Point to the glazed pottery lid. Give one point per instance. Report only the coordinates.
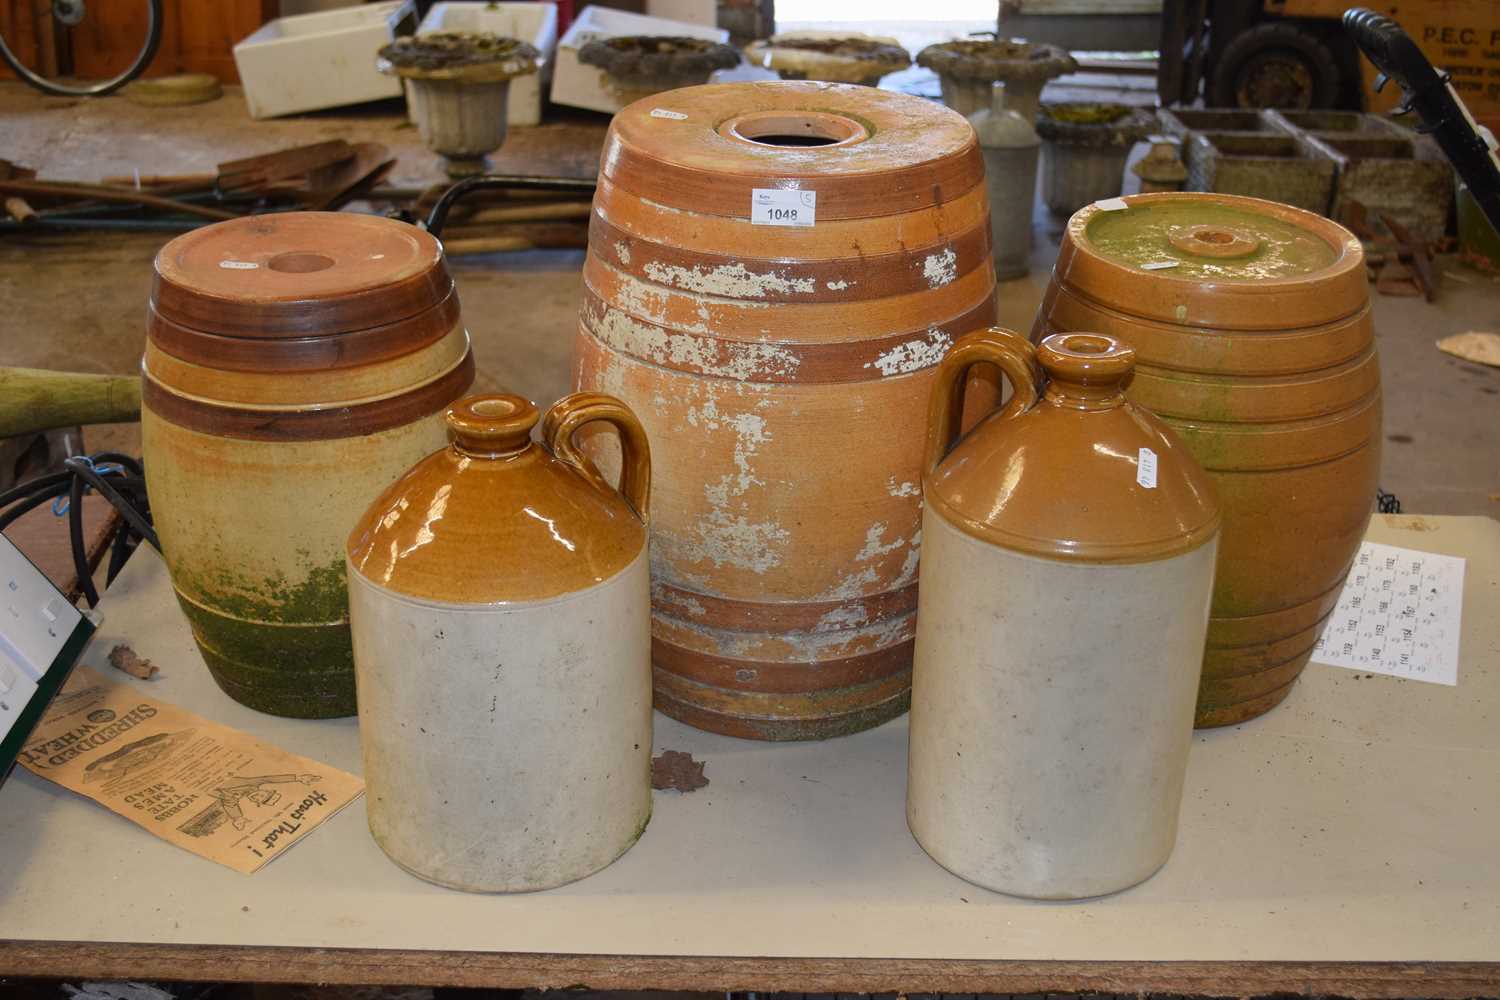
(496, 517)
(864, 152)
(1203, 259)
(298, 274)
(1079, 474)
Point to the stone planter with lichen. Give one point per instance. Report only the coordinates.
(460, 82)
(1084, 148)
(968, 70)
(829, 56)
(637, 66)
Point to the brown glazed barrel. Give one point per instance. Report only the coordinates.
(1251, 326)
(782, 374)
(296, 365)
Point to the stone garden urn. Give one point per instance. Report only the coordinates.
(638, 66)
(1084, 148)
(459, 85)
(830, 56)
(969, 69)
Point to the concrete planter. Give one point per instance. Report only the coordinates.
(638, 66)
(969, 69)
(1317, 160)
(1383, 166)
(1084, 148)
(1270, 166)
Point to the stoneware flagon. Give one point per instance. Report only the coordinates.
(771, 363)
(295, 364)
(500, 602)
(1068, 547)
(1252, 331)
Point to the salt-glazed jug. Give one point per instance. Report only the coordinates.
(1068, 546)
(500, 604)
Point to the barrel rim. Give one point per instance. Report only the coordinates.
(1324, 296)
(244, 294)
(704, 172)
(298, 353)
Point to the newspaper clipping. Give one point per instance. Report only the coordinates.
(211, 789)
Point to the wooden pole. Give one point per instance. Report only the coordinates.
(32, 399)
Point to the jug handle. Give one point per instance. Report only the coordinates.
(1008, 351)
(571, 413)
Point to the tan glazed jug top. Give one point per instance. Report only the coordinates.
(1068, 468)
(497, 517)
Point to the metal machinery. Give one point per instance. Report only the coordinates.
(1295, 54)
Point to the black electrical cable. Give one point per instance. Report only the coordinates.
(85, 470)
(120, 479)
(438, 217)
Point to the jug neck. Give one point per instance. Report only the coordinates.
(1085, 371)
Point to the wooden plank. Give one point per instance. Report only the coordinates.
(502, 970)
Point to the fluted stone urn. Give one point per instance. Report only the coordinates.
(460, 81)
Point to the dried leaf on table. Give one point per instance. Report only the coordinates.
(1475, 345)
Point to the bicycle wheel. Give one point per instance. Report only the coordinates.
(71, 12)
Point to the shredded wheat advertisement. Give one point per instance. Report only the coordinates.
(205, 787)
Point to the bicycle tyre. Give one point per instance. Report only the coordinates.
(98, 89)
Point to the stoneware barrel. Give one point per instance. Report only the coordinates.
(1251, 326)
(781, 371)
(295, 366)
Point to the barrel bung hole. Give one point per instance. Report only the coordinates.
(796, 129)
(299, 262)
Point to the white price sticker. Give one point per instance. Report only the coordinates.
(1159, 265)
(1145, 468)
(1398, 614)
(778, 207)
(238, 265)
(1111, 205)
(675, 116)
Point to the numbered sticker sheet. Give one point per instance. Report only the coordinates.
(1398, 615)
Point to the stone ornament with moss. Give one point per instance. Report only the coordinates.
(640, 65)
(969, 69)
(1084, 148)
(832, 57)
(459, 87)
(460, 56)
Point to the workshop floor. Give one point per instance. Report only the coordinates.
(77, 301)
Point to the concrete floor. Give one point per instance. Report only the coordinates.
(76, 301)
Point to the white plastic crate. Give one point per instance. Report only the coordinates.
(324, 60)
(530, 22)
(581, 86)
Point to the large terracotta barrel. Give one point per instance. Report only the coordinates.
(1251, 326)
(295, 366)
(781, 372)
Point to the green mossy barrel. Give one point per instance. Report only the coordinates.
(295, 366)
(1251, 326)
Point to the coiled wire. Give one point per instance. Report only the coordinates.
(118, 478)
